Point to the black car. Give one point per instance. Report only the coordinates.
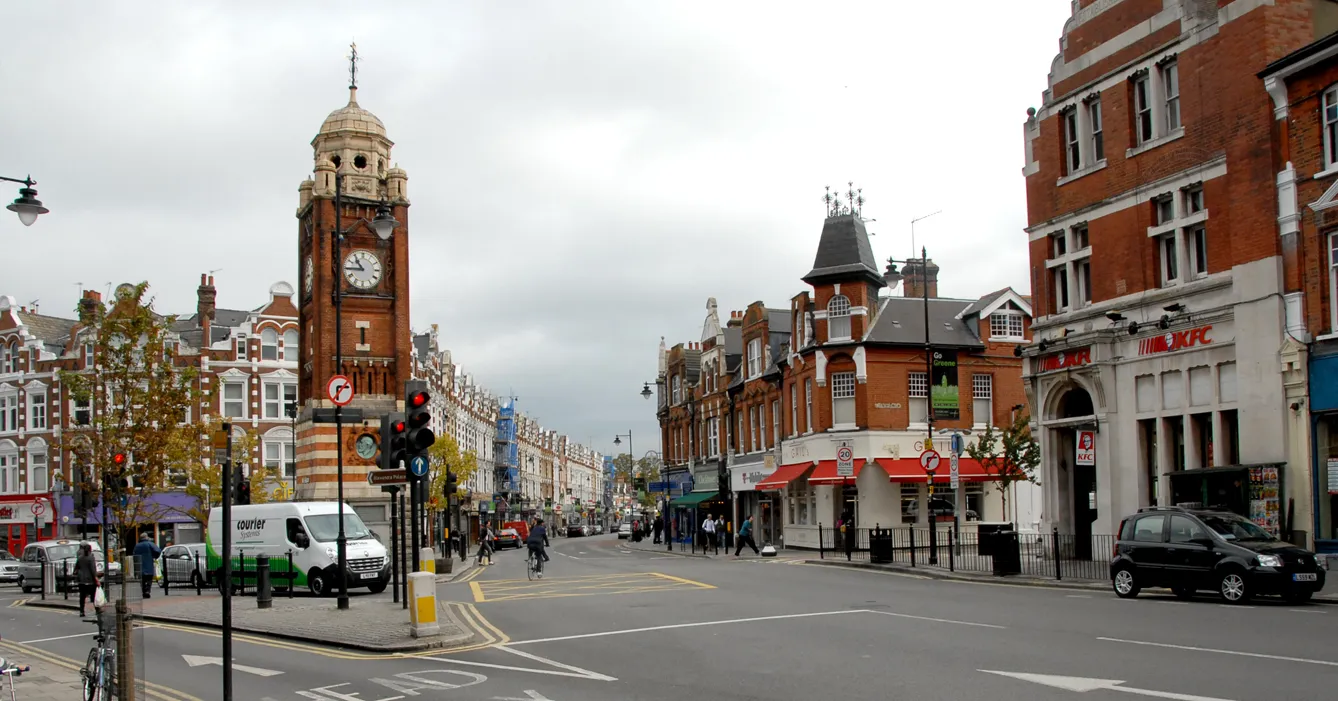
(1188, 550)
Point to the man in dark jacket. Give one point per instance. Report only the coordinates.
(658, 525)
(537, 541)
(86, 574)
(146, 552)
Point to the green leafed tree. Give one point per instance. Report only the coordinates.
(442, 456)
(1009, 455)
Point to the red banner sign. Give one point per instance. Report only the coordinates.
(1175, 340)
(1066, 359)
(6, 512)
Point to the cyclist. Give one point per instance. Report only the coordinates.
(537, 541)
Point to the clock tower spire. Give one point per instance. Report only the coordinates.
(351, 152)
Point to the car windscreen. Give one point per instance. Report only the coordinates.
(1236, 528)
(61, 552)
(325, 527)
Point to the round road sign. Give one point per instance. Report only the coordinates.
(929, 460)
(39, 508)
(845, 454)
(418, 466)
(340, 390)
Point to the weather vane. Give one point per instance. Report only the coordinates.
(353, 65)
(854, 201)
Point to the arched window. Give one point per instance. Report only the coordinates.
(838, 318)
(6, 358)
(290, 343)
(38, 470)
(279, 455)
(269, 344)
(9, 467)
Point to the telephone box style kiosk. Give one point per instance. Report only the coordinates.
(303, 534)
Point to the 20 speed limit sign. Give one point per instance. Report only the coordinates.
(845, 462)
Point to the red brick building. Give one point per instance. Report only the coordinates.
(1164, 298)
(755, 413)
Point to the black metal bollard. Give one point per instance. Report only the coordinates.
(65, 575)
(820, 548)
(912, 530)
(241, 573)
(291, 575)
(42, 575)
(198, 576)
(165, 578)
(952, 565)
(264, 598)
(1054, 535)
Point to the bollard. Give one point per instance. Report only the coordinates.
(65, 574)
(912, 545)
(165, 577)
(198, 576)
(292, 575)
(427, 561)
(241, 573)
(423, 614)
(952, 566)
(820, 555)
(43, 577)
(263, 595)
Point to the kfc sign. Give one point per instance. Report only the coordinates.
(6, 513)
(1064, 360)
(1086, 448)
(1176, 340)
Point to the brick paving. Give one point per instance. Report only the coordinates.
(46, 682)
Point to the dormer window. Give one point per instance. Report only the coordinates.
(1006, 325)
(754, 358)
(241, 348)
(677, 389)
(838, 318)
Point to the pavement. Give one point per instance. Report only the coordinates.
(611, 622)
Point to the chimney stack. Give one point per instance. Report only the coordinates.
(205, 305)
(89, 307)
(914, 280)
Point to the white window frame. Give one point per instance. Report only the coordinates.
(285, 457)
(90, 359)
(224, 401)
(1333, 283)
(242, 353)
(1097, 140)
(1007, 325)
(775, 423)
(38, 410)
(756, 441)
(291, 341)
(1069, 248)
(838, 318)
(808, 404)
(85, 406)
(39, 459)
(1170, 86)
(9, 411)
(917, 392)
(1072, 141)
(677, 383)
(739, 446)
(1328, 115)
(1063, 295)
(1145, 126)
(843, 391)
(280, 403)
(794, 397)
(713, 437)
(982, 390)
(7, 358)
(1196, 241)
(754, 358)
(1083, 270)
(1168, 253)
(269, 344)
(9, 468)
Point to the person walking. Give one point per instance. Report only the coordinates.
(848, 533)
(658, 527)
(146, 553)
(745, 537)
(485, 545)
(86, 573)
(709, 527)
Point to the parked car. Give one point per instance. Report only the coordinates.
(624, 531)
(1187, 550)
(9, 567)
(186, 564)
(60, 554)
(508, 538)
(520, 527)
(940, 509)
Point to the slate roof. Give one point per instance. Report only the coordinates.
(733, 341)
(844, 253)
(980, 304)
(901, 321)
(778, 321)
(422, 344)
(51, 329)
(692, 365)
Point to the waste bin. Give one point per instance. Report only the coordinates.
(986, 533)
(1006, 553)
(880, 545)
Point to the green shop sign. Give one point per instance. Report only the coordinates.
(943, 386)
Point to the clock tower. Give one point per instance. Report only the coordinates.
(371, 274)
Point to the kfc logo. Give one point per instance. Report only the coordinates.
(1176, 340)
(1086, 448)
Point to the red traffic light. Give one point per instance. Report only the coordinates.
(397, 427)
(118, 459)
(418, 399)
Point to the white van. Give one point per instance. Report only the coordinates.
(306, 532)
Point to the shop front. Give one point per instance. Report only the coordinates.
(744, 478)
(704, 500)
(25, 519)
(166, 518)
(1324, 434)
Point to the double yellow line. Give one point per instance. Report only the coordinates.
(469, 577)
(468, 616)
(28, 654)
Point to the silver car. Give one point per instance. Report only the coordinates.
(60, 555)
(186, 564)
(9, 567)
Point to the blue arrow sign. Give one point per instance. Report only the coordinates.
(418, 466)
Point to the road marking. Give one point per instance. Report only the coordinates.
(153, 691)
(1281, 658)
(1174, 603)
(63, 637)
(940, 620)
(198, 661)
(1085, 684)
(594, 585)
(1077, 596)
(684, 625)
(531, 695)
(1306, 610)
(1236, 606)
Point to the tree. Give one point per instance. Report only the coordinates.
(442, 456)
(205, 476)
(1008, 455)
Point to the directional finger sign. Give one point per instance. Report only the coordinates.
(340, 390)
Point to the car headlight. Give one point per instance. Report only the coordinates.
(1270, 561)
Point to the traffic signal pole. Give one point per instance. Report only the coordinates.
(226, 524)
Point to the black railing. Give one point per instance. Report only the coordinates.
(1054, 555)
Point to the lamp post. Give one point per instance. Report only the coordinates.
(292, 417)
(891, 276)
(383, 224)
(27, 206)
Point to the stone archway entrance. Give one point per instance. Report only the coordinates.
(1076, 483)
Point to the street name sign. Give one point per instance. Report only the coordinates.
(380, 478)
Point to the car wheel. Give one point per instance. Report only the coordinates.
(377, 587)
(1232, 587)
(1125, 584)
(1297, 596)
(317, 584)
(1185, 593)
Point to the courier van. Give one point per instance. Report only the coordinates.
(306, 532)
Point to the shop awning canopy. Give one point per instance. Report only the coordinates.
(909, 470)
(692, 499)
(783, 476)
(826, 472)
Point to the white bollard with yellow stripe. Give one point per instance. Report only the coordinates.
(427, 560)
(423, 604)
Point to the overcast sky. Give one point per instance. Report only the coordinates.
(583, 174)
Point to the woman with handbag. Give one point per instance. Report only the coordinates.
(86, 573)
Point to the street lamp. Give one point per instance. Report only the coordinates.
(383, 224)
(892, 277)
(27, 206)
(292, 417)
(645, 390)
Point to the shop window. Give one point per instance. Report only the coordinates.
(1229, 441)
(1202, 427)
(1175, 436)
(910, 502)
(1147, 440)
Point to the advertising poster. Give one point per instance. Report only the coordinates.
(1086, 448)
(943, 385)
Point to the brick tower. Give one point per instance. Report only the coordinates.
(372, 275)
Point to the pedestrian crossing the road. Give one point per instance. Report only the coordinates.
(599, 585)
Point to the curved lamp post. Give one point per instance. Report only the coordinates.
(27, 206)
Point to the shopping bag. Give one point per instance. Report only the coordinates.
(99, 598)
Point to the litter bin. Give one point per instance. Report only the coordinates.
(1006, 553)
(986, 533)
(880, 545)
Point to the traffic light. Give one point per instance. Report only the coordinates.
(241, 487)
(392, 441)
(115, 481)
(416, 399)
(451, 486)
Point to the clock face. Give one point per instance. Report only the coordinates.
(362, 270)
(309, 275)
(366, 447)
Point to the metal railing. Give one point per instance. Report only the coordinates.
(1053, 556)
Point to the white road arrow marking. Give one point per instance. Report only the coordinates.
(197, 661)
(1085, 684)
(531, 695)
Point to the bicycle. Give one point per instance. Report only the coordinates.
(9, 670)
(99, 673)
(534, 566)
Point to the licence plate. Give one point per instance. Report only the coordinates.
(369, 575)
(1307, 577)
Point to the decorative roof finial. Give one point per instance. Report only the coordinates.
(353, 66)
(854, 201)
